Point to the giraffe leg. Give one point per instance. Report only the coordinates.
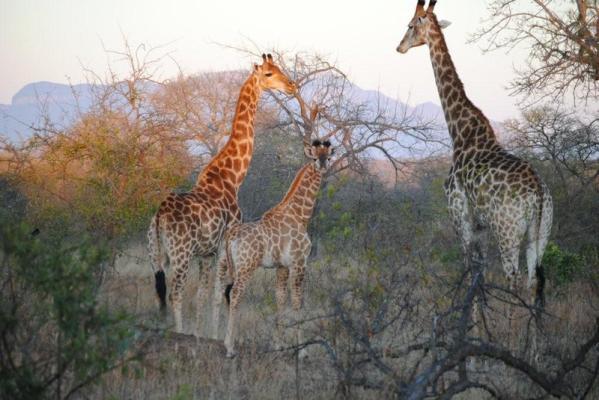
(543, 238)
(180, 273)
(509, 260)
(297, 292)
(242, 277)
(471, 237)
(220, 283)
(157, 261)
(281, 295)
(535, 292)
(202, 293)
(236, 293)
(478, 255)
(537, 238)
(535, 248)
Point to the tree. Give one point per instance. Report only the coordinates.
(563, 37)
(330, 108)
(568, 142)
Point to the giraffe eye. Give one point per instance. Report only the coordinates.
(316, 143)
(326, 143)
(268, 74)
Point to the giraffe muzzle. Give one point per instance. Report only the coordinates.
(291, 88)
(402, 48)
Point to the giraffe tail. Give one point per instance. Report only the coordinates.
(156, 258)
(539, 270)
(230, 270)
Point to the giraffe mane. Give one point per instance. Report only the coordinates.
(296, 183)
(459, 84)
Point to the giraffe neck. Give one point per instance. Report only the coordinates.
(228, 169)
(458, 109)
(301, 196)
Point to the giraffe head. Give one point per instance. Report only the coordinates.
(321, 152)
(420, 26)
(270, 76)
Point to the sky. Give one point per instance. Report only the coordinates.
(54, 40)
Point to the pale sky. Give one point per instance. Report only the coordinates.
(50, 40)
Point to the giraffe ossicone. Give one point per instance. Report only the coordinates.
(189, 224)
(279, 239)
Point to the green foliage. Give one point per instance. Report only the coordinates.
(562, 265)
(448, 255)
(57, 338)
(184, 392)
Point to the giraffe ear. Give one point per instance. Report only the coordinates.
(308, 152)
(444, 23)
(256, 67)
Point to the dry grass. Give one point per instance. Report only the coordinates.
(181, 366)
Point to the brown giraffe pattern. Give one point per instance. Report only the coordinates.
(279, 240)
(192, 223)
(487, 186)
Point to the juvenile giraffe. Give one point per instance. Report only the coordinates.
(279, 239)
(192, 223)
(487, 186)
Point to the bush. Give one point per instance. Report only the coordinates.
(562, 266)
(56, 338)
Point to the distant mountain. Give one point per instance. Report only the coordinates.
(58, 101)
(62, 103)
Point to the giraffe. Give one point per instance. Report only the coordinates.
(279, 239)
(487, 187)
(192, 223)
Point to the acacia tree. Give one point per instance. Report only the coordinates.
(568, 142)
(328, 105)
(563, 37)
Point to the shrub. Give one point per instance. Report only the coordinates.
(562, 265)
(56, 338)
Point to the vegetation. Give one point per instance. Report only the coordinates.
(564, 45)
(389, 297)
(56, 337)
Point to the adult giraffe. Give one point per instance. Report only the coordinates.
(487, 186)
(192, 223)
